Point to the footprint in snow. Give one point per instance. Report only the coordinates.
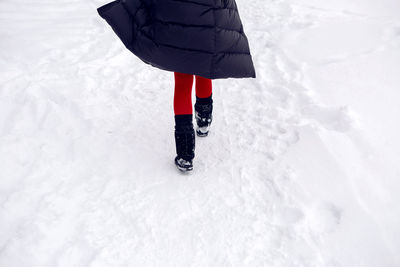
(324, 217)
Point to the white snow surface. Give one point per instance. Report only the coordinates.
(301, 166)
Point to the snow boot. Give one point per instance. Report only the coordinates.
(184, 141)
(203, 113)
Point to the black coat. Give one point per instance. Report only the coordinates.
(201, 37)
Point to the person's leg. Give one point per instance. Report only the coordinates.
(183, 93)
(203, 87)
(184, 132)
(204, 105)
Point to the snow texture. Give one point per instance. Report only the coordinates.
(300, 167)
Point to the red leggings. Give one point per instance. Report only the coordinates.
(183, 91)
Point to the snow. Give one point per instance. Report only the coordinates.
(300, 167)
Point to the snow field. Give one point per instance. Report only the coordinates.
(299, 168)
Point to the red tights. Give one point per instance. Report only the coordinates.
(183, 91)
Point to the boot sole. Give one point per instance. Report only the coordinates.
(200, 134)
(184, 169)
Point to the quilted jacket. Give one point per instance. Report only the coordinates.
(201, 37)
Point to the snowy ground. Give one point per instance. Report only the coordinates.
(300, 167)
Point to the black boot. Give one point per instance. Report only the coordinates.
(203, 112)
(185, 142)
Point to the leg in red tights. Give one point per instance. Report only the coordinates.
(183, 93)
(203, 87)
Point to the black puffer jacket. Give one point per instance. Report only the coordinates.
(201, 37)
